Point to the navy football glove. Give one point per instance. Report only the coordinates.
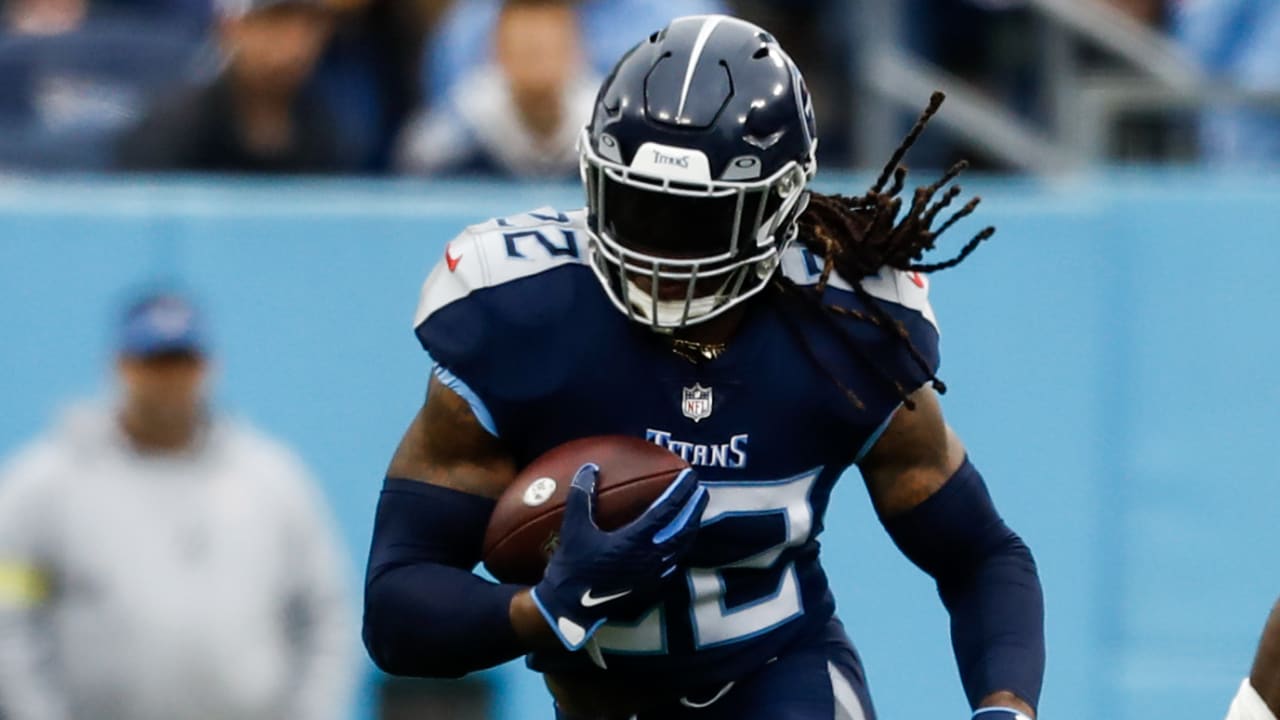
(594, 576)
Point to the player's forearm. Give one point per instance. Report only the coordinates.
(988, 581)
(1265, 676)
(431, 620)
(426, 614)
(997, 626)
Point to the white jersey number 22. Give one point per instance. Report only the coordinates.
(713, 623)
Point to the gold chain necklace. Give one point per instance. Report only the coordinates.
(696, 352)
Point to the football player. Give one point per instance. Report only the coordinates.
(706, 300)
(1259, 694)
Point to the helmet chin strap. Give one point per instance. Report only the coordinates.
(670, 313)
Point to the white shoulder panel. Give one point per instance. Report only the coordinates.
(501, 250)
(908, 289)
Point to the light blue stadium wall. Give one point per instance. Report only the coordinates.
(1111, 356)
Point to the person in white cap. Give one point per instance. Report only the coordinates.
(160, 562)
(1259, 694)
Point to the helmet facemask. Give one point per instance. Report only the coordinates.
(676, 252)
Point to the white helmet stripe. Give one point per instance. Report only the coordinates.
(709, 24)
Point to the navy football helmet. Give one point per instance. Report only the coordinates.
(695, 164)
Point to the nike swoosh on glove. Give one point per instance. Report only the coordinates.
(595, 576)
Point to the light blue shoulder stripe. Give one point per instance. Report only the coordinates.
(454, 383)
(875, 436)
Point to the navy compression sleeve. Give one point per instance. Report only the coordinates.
(425, 613)
(988, 583)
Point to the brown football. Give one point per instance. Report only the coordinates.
(525, 527)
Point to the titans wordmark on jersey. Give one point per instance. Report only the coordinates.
(518, 325)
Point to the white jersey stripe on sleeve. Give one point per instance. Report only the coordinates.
(847, 704)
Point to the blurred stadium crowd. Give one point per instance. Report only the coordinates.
(465, 87)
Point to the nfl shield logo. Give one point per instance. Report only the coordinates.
(696, 403)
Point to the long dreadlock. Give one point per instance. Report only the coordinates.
(857, 236)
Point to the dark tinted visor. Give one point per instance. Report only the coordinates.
(676, 226)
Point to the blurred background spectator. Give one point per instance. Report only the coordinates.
(816, 33)
(462, 38)
(71, 78)
(1237, 42)
(518, 115)
(257, 114)
(448, 86)
(159, 561)
(368, 75)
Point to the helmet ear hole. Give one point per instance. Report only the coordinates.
(762, 53)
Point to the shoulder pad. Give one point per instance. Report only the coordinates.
(907, 289)
(903, 296)
(502, 250)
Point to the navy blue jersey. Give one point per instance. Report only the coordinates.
(518, 323)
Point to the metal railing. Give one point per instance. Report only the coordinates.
(1083, 109)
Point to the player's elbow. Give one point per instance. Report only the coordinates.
(1013, 549)
(1002, 568)
(393, 663)
(398, 650)
(381, 640)
(1003, 549)
(956, 533)
(434, 621)
(999, 550)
